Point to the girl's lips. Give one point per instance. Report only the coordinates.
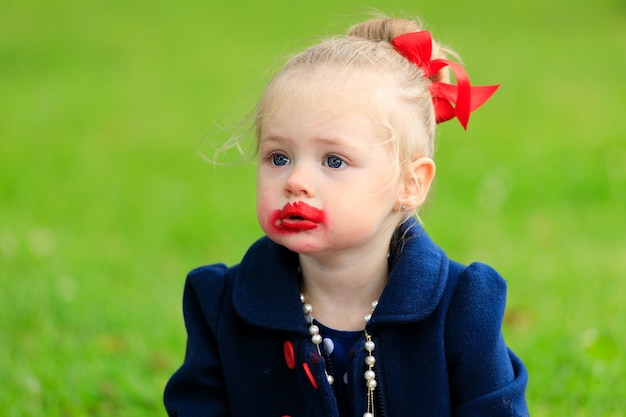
(298, 216)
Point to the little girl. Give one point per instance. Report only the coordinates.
(347, 307)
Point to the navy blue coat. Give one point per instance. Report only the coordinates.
(437, 329)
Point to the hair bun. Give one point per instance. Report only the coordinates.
(383, 29)
(387, 29)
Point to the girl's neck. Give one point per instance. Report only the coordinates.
(342, 291)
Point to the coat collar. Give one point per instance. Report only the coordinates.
(266, 291)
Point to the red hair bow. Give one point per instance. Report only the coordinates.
(417, 48)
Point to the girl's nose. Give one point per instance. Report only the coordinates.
(299, 182)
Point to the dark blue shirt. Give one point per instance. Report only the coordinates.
(337, 345)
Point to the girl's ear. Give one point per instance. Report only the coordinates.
(416, 184)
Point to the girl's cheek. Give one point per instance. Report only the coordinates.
(263, 213)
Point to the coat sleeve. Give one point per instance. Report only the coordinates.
(486, 378)
(197, 387)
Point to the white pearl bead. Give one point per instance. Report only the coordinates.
(302, 298)
(370, 360)
(369, 375)
(374, 305)
(371, 384)
(368, 415)
(367, 318)
(307, 308)
(313, 329)
(316, 339)
(369, 346)
(330, 379)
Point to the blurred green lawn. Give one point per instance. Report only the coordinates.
(105, 203)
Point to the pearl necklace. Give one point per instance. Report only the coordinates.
(369, 346)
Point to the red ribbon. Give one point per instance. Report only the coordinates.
(449, 100)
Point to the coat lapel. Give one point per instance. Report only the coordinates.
(418, 277)
(266, 290)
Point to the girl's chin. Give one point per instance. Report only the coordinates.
(298, 243)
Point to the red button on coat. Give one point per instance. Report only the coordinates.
(290, 356)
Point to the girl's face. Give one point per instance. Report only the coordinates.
(327, 183)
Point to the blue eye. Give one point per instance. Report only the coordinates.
(279, 160)
(334, 162)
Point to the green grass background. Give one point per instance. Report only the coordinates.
(105, 203)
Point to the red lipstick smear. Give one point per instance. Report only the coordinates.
(297, 216)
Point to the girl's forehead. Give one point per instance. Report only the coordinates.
(343, 87)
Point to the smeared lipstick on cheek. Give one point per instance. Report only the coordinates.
(295, 217)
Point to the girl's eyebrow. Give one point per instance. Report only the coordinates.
(320, 140)
(332, 141)
(275, 138)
